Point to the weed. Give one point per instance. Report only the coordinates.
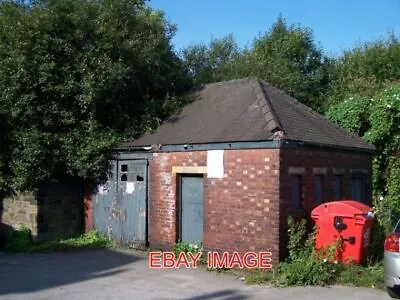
(259, 276)
(306, 266)
(194, 249)
(20, 241)
(186, 248)
(370, 275)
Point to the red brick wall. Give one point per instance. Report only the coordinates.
(310, 158)
(241, 210)
(88, 209)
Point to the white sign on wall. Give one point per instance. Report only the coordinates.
(130, 187)
(215, 163)
(102, 189)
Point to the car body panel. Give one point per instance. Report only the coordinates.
(392, 269)
(392, 264)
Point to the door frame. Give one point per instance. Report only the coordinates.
(178, 222)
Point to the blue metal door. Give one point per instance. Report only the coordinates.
(120, 208)
(192, 209)
(132, 190)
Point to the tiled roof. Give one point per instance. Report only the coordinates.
(247, 110)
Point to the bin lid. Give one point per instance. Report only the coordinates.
(345, 208)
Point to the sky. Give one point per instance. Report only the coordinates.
(337, 24)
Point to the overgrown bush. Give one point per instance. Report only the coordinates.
(186, 248)
(193, 248)
(19, 240)
(382, 225)
(307, 266)
(376, 119)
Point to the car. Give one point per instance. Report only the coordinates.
(392, 262)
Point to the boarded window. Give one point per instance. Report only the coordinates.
(296, 192)
(319, 179)
(358, 192)
(337, 187)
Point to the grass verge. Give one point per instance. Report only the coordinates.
(352, 275)
(20, 241)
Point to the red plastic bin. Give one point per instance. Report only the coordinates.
(347, 220)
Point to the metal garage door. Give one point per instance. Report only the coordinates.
(120, 206)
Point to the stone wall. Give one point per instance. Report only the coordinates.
(51, 213)
(21, 210)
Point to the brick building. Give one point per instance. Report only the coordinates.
(228, 170)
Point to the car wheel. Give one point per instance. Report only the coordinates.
(393, 292)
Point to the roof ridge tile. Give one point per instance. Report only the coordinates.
(321, 116)
(265, 106)
(306, 108)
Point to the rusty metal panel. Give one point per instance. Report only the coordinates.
(121, 211)
(133, 191)
(102, 201)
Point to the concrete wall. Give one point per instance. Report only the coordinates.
(51, 213)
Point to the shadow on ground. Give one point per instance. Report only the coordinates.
(221, 295)
(25, 273)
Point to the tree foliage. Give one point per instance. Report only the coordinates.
(77, 76)
(217, 61)
(285, 56)
(365, 69)
(377, 120)
(365, 98)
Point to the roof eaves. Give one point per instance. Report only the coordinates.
(332, 146)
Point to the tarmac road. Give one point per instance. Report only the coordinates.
(115, 274)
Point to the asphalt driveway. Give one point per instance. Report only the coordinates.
(112, 274)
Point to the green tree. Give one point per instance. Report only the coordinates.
(365, 69)
(213, 62)
(4, 150)
(287, 57)
(76, 77)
